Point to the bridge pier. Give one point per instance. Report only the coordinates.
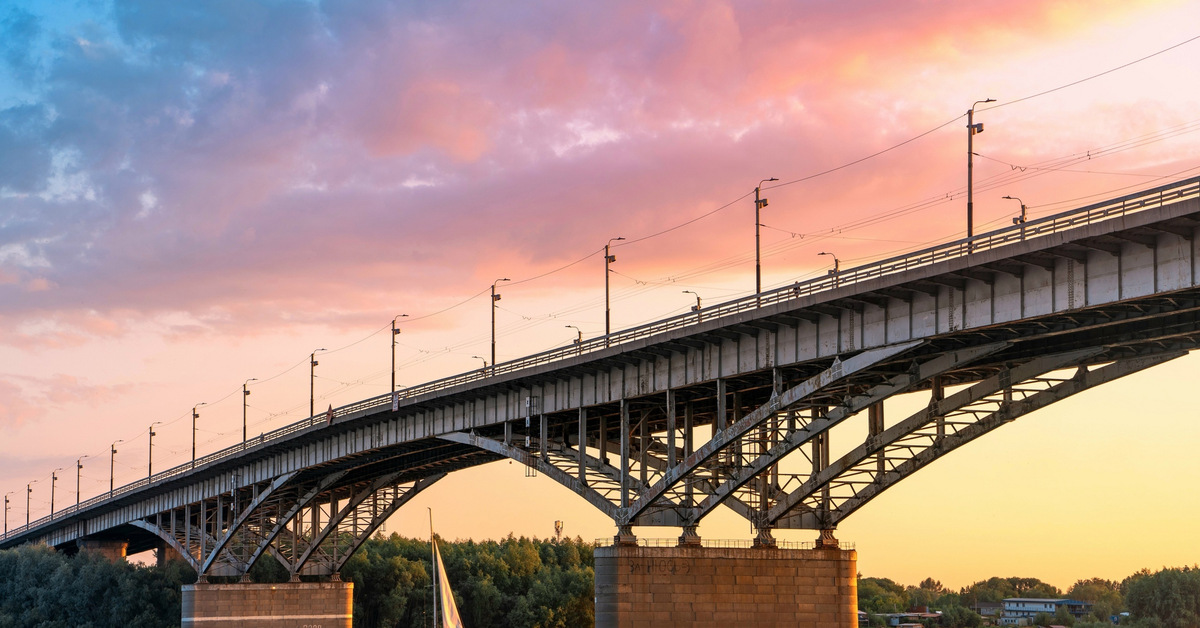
(707, 586)
(164, 554)
(114, 550)
(250, 605)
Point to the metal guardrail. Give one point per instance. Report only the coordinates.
(1063, 221)
(609, 541)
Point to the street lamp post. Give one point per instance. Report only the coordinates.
(53, 479)
(578, 337)
(608, 259)
(759, 203)
(28, 493)
(6, 513)
(312, 382)
(150, 453)
(112, 459)
(395, 332)
(78, 472)
(1019, 220)
(972, 130)
(245, 393)
(495, 297)
(696, 307)
(836, 267)
(485, 362)
(195, 415)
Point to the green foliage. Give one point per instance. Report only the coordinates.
(44, 588)
(512, 582)
(1105, 596)
(1169, 598)
(957, 616)
(881, 595)
(1063, 617)
(997, 589)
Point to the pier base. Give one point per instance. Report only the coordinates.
(648, 587)
(248, 605)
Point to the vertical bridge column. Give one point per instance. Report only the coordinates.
(722, 587)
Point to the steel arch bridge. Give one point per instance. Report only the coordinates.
(734, 405)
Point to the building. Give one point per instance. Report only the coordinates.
(1018, 611)
(988, 609)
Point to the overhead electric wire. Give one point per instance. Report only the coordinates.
(1094, 76)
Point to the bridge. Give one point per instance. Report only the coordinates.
(730, 406)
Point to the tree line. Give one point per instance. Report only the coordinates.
(1168, 598)
(516, 581)
(519, 582)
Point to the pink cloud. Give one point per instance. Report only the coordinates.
(30, 399)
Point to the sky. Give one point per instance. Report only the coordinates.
(196, 194)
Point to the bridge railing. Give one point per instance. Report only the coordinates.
(609, 541)
(1055, 223)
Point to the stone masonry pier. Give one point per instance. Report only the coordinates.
(654, 587)
(285, 605)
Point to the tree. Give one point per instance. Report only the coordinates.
(881, 595)
(1104, 596)
(997, 589)
(956, 616)
(1171, 597)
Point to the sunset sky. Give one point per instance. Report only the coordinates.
(194, 194)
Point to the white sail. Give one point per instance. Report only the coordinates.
(450, 618)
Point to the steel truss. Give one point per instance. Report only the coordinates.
(311, 525)
(896, 453)
(660, 479)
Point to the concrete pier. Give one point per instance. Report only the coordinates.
(654, 587)
(248, 605)
(113, 550)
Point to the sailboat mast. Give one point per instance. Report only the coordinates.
(433, 567)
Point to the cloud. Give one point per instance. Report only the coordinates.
(230, 163)
(26, 399)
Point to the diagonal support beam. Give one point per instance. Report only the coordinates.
(1008, 413)
(724, 437)
(895, 385)
(520, 455)
(391, 509)
(281, 522)
(236, 526)
(169, 539)
(337, 518)
(924, 416)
